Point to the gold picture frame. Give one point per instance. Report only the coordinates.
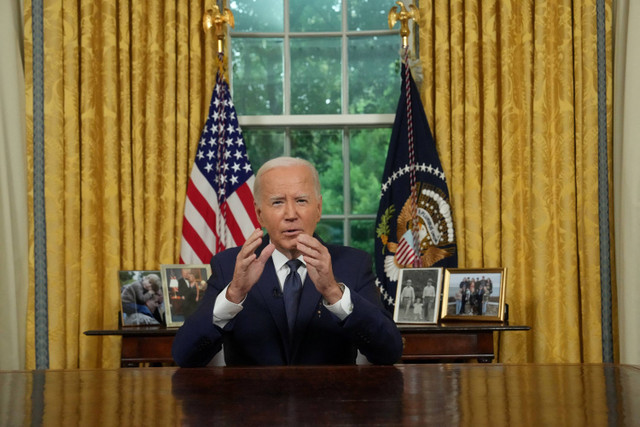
(474, 294)
(183, 286)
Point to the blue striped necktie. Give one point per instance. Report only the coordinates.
(292, 290)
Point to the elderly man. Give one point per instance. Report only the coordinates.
(287, 298)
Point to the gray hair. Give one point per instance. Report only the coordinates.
(284, 161)
(154, 281)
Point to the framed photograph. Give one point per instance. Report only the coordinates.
(183, 286)
(141, 298)
(418, 295)
(474, 294)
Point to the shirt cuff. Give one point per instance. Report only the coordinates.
(343, 307)
(224, 310)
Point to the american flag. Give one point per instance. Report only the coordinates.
(219, 210)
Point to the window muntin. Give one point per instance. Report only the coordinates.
(321, 82)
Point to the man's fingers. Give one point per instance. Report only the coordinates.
(252, 243)
(266, 253)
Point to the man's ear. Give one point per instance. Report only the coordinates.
(319, 207)
(258, 213)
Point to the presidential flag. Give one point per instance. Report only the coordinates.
(414, 226)
(219, 210)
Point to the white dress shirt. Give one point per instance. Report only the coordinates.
(225, 310)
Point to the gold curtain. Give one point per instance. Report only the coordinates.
(126, 91)
(511, 94)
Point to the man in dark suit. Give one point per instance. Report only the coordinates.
(339, 312)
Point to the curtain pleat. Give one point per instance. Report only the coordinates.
(511, 92)
(126, 92)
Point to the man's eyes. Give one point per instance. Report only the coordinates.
(281, 202)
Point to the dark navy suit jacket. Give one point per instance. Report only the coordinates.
(259, 335)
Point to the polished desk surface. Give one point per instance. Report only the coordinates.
(443, 395)
(459, 326)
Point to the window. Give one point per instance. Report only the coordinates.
(319, 79)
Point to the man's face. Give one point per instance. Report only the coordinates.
(288, 206)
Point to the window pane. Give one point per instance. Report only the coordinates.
(323, 148)
(331, 231)
(374, 74)
(362, 235)
(317, 15)
(258, 15)
(263, 145)
(257, 76)
(369, 14)
(315, 76)
(368, 151)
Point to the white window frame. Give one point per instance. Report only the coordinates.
(344, 121)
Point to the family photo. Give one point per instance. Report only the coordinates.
(474, 293)
(418, 295)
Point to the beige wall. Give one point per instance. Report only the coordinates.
(13, 190)
(626, 137)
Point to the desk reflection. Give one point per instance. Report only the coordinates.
(460, 395)
(290, 396)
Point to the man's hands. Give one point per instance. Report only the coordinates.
(248, 267)
(318, 261)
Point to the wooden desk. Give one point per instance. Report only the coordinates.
(491, 395)
(452, 342)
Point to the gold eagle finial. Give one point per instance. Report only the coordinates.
(400, 13)
(213, 18)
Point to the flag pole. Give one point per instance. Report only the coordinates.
(400, 13)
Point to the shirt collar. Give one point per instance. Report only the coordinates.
(280, 259)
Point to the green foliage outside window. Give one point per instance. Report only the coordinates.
(311, 70)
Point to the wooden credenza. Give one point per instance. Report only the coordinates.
(444, 342)
(453, 341)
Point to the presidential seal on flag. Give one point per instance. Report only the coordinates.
(436, 237)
